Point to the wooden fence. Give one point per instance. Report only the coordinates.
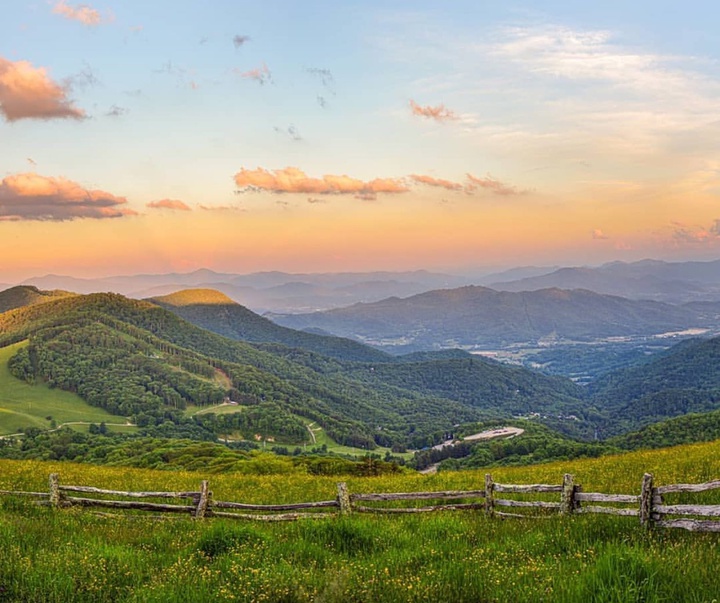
(649, 505)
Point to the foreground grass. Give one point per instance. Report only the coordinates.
(23, 405)
(75, 555)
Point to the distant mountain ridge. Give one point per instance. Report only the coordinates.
(481, 317)
(648, 279)
(265, 291)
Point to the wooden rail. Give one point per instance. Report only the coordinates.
(649, 505)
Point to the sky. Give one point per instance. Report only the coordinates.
(325, 136)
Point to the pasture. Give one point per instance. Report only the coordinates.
(25, 405)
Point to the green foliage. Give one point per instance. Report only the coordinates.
(23, 295)
(680, 430)
(682, 380)
(24, 404)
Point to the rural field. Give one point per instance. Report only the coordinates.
(24, 405)
(78, 555)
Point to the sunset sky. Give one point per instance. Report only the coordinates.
(239, 136)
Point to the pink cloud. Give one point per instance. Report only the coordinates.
(489, 183)
(26, 92)
(695, 234)
(168, 204)
(260, 74)
(83, 13)
(430, 181)
(438, 113)
(294, 180)
(598, 234)
(30, 196)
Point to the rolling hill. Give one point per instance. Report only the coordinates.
(25, 295)
(216, 312)
(684, 379)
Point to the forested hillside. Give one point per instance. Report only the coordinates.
(18, 297)
(218, 313)
(138, 359)
(684, 379)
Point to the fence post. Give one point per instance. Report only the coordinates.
(568, 495)
(343, 499)
(646, 500)
(55, 490)
(489, 496)
(203, 501)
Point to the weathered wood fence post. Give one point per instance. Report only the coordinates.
(489, 495)
(568, 495)
(646, 500)
(203, 500)
(343, 499)
(55, 490)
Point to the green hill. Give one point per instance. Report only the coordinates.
(218, 313)
(20, 296)
(684, 379)
(686, 429)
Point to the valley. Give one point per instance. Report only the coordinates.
(197, 365)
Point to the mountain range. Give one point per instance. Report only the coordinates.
(264, 291)
(138, 359)
(483, 318)
(648, 279)
(281, 292)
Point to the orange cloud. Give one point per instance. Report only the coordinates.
(598, 234)
(294, 180)
(430, 181)
(30, 196)
(26, 92)
(438, 113)
(493, 185)
(82, 12)
(260, 74)
(168, 204)
(696, 234)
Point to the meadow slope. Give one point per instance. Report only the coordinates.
(463, 556)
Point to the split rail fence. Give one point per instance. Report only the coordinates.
(649, 505)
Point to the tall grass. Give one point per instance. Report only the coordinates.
(75, 555)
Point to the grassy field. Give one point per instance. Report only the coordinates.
(23, 405)
(75, 555)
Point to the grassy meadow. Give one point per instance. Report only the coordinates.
(24, 405)
(78, 555)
